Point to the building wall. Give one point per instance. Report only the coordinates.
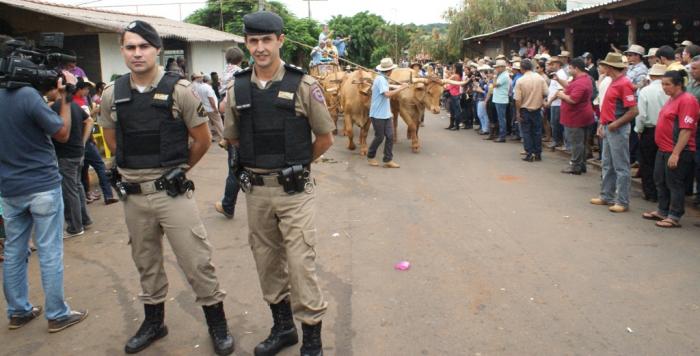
(207, 57)
(110, 55)
(87, 48)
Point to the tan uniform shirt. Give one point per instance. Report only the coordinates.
(309, 103)
(530, 91)
(186, 106)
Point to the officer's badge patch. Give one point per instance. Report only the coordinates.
(285, 95)
(317, 94)
(200, 110)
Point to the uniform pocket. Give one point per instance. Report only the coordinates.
(309, 237)
(200, 232)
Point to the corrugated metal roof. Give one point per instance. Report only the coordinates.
(113, 21)
(558, 17)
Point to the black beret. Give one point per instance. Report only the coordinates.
(145, 30)
(262, 22)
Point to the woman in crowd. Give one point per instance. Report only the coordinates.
(480, 88)
(453, 100)
(675, 137)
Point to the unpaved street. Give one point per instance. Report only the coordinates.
(507, 258)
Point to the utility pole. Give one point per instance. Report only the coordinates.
(309, 6)
(261, 5)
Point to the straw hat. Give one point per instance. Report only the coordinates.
(501, 56)
(614, 60)
(516, 66)
(657, 70)
(484, 67)
(685, 43)
(386, 65)
(415, 64)
(652, 52)
(515, 59)
(565, 54)
(636, 49)
(545, 56)
(554, 59)
(500, 63)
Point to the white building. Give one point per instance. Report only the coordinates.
(94, 35)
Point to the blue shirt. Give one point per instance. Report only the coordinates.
(500, 93)
(380, 107)
(340, 45)
(27, 158)
(515, 81)
(316, 56)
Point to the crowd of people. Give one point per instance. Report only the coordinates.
(330, 47)
(635, 108)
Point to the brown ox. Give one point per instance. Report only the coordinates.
(423, 93)
(355, 97)
(331, 90)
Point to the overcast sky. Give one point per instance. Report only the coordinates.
(397, 11)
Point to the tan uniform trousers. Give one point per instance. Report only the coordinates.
(282, 238)
(217, 124)
(150, 216)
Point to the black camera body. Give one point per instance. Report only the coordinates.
(23, 65)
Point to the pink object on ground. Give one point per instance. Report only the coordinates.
(402, 266)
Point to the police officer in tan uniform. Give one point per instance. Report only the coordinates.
(148, 116)
(273, 110)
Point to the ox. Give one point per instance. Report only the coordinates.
(331, 84)
(423, 93)
(355, 97)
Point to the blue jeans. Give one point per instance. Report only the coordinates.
(44, 212)
(455, 109)
(557, 128)
(483, 116)
(501, 111)
(93, 159)
(531, 127)
(231, 190)
(616, 165)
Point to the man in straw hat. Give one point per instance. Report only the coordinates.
(651, 56)
(651, 99)
(380, 113)
(636, 69)
(501, 87)
(618, 109)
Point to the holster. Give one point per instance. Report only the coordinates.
(294, 179)
(176, 182)
(115, 180)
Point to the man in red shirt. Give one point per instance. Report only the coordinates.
(618, 109)
(675, 137)
(577, 114)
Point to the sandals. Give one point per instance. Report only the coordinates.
(668, 223)
(653, 215)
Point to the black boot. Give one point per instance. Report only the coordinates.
(218, 329)
(152, 329)
(283, 333)
(452, 124)
(311, 346)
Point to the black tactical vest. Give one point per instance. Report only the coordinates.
(148, 136)
(271, 134)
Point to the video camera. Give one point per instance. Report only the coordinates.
(23, 65)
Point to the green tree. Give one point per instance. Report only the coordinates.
(299, 30)
(362, 27)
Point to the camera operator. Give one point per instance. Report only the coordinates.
(30, 186)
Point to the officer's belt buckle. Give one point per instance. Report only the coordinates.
(148, 188)
(270, 180)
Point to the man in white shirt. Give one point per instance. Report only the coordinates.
(208, 98)
(558, 82)
(651, 99)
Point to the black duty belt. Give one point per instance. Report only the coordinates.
(146, 187)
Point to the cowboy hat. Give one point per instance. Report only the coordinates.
(415, 64)
(652, 52)
(657, 70)
(500, 63)
(565, 54)
(516, 66)
(636, 49)
(515, 59)
(685, 43)
(484, 67)
(501, 56)
(614, 60)
(554, 59)
(386, 65)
